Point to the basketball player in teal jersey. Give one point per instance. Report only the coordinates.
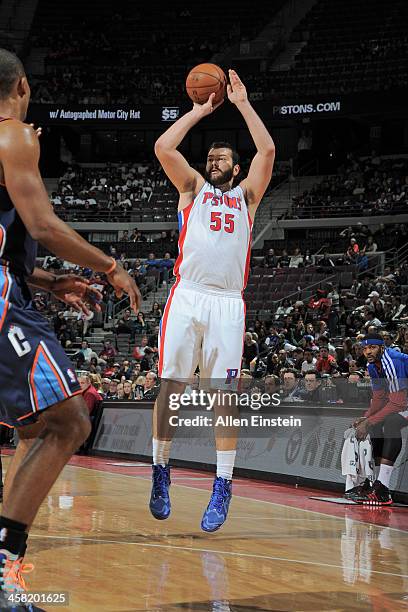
(39, 392)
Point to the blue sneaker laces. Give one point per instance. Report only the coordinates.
(220, 491)
(160, 481)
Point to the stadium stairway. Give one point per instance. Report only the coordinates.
(277, 204)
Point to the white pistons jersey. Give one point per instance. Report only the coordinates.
(215, 240)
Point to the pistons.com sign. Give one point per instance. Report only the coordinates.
(305, 109)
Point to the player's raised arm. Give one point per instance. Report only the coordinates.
(19, 154)
(177, 168)
(260, 171)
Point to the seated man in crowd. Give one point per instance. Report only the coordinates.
(84, 355)
(125, 324)
(326, 364)
(151, 387)
(108, 351)
(311, 390)
(290, 384)
(309, 363)
(90, 394)
(147, 361)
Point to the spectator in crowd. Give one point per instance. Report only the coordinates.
(325, 364)
(84, 355)
(290, 384)
(90, 394)
(271, 260)
(94, 368)
(140, 326)
(147, 362)
(125, 324)
(156, 311)
(309, 363)
(272, 384)
(154, 338)
(297, 259)
(151, 386)
(325, 263)
(284, 309)
(311, 390)
(250, 351)
(284, 260)
(108, 351)
(127, 390)
(105, 387)
(119, 391)
(334, 314)
(320, 305)
(125, 369)
(358, 355)
(298, 358)
(139, 351)
(113, 388)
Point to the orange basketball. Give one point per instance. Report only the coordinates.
(204, 80)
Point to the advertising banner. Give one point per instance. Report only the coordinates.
(310, 449)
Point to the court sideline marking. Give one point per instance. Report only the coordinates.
(219, 552)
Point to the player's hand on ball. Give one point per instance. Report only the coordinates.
(206, 109)
(236, 90)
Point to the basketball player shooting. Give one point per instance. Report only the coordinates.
(204, 317)
(39, 392)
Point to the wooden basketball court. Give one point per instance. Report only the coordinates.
(95, 539)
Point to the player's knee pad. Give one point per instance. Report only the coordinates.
(392, 425)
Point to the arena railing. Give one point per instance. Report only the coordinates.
(333, 278)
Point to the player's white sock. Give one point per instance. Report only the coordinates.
(349, 482)
(225, 463)
(385, 474)
(161, 452)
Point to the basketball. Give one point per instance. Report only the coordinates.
(205, 79)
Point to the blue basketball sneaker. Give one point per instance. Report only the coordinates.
(160, 500)
(217, 510)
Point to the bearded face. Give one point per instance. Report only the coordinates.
(220, 169)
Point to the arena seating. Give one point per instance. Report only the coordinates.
(91, 55)
(367, 186)
(350, 47)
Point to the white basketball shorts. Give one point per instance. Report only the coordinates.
(203, 327)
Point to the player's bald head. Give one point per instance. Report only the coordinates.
(11, 70)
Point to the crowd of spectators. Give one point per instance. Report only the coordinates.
(355, 247)
(110, 192)
(94, 58)
(310, 351)
(362, 186)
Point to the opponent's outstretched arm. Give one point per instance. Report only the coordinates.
(260, 171)
(175, 165)
(20, 153)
